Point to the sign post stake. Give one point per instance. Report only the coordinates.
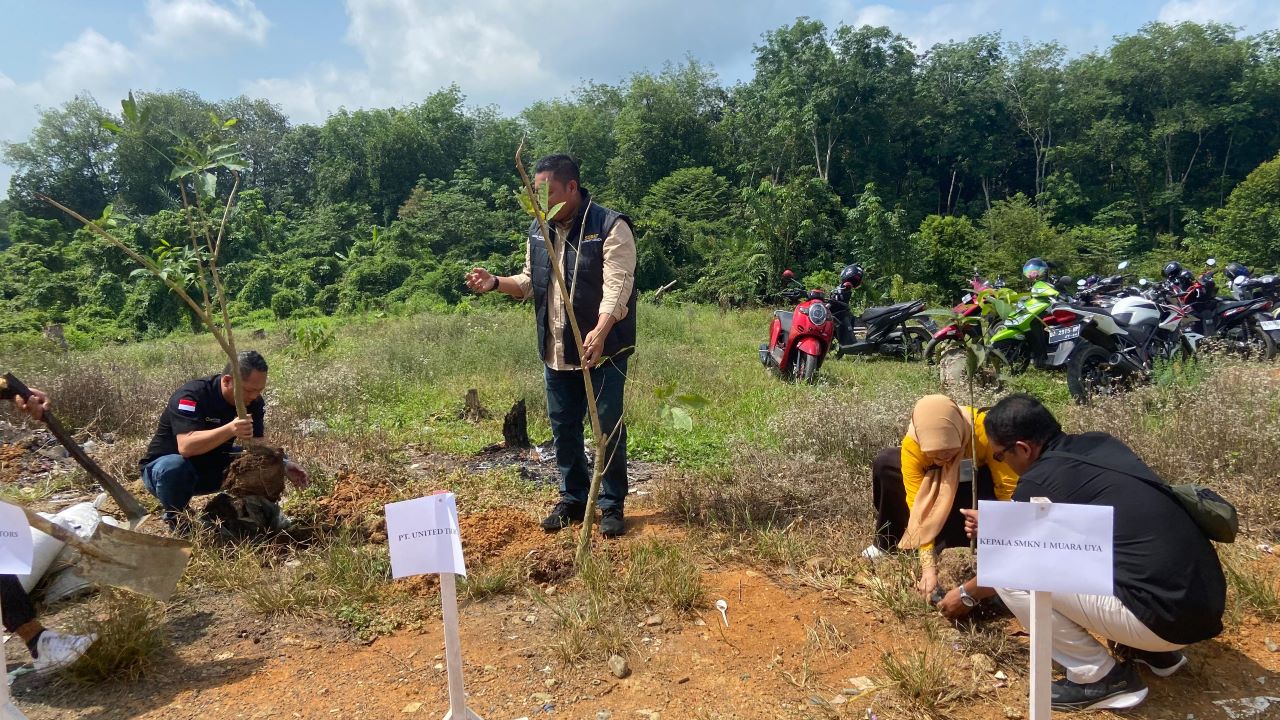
(453, 649)
(1041, 648)
(1041, 655)
(423, 539)
(1045, 548)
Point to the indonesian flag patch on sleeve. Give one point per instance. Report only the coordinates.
(187, 405)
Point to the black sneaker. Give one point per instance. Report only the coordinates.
(563, 515)
(611, 523)
(1162, 664)
(1119, 690)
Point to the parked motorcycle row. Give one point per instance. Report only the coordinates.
(1106, 333)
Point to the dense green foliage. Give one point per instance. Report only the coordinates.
(847, 144)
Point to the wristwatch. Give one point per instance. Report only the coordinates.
(968, 600)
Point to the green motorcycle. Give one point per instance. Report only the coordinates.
(1021, 339)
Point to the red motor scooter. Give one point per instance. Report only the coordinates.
(799, 339)
(969, 306)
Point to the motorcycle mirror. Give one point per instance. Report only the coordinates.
(788, 275)
(1143, 282)
(1123, 265)
(1080, 283)
(1211, 262)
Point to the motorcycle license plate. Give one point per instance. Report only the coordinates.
(1270, 324)
(1062, 334)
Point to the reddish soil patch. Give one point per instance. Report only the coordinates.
(355, 504)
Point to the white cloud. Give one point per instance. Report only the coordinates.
(91, 63)
(199, 24)
(1252, 15)
(411, 49)
(512, 52)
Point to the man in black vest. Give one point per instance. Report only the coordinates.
(1169, 587)
(597, 251)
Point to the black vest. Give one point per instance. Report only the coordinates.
(589, 276)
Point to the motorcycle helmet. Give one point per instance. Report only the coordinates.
(1172, 269)
(1035, 269)
(1186, 279)
(851, 276)
(1235, 270)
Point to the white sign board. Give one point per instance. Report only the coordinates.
(15, 541)
(423, 536)
(1046, 546)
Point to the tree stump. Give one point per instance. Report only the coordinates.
(472, 410)
(515, 427)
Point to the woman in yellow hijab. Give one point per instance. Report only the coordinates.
(917, 488)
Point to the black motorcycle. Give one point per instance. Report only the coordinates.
(879, 330)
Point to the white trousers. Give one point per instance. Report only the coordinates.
(1076, 619)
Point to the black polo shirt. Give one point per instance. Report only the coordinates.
(199, 405)
(1166, 571)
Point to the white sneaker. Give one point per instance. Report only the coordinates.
(56, 651)
(873, 553)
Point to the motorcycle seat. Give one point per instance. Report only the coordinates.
(1232, 304)
(877, 312)
(784, 317)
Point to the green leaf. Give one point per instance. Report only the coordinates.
(230, 121)
(662, 392)
(554, 211)
(206, 185)
(129, 109)
(139, 271)
(110, 125)
(693, 401)
(525, 202)
(681, 419)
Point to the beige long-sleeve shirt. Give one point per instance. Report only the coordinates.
(619, 278)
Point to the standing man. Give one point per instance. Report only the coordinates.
(1169, 587)
(195, 438)
(597, 252)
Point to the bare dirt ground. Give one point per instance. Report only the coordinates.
(223, 660)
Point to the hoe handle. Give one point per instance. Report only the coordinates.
(10, 385)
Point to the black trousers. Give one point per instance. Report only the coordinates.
(890, 498)
(15, 604)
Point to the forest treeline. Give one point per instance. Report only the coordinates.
(847, 144)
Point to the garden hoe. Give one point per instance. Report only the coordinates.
(146, 564)
(133, 510)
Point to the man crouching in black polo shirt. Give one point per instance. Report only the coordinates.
(195, 438)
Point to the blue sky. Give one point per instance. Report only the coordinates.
(313, 56)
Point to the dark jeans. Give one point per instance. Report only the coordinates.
(15, 604)
(890, 498)
(174, 481)
(567, 409)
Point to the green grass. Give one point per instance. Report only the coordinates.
(405, 378)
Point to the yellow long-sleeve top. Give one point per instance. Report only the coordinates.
(914, 465)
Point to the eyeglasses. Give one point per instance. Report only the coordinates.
(998, 455)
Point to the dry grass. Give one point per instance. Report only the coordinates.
(489, 581)
(1218, 426)
(596, 614)
(923, 681)
(1253, 584)
(130, 631)
(891, 585)
(822, 637)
